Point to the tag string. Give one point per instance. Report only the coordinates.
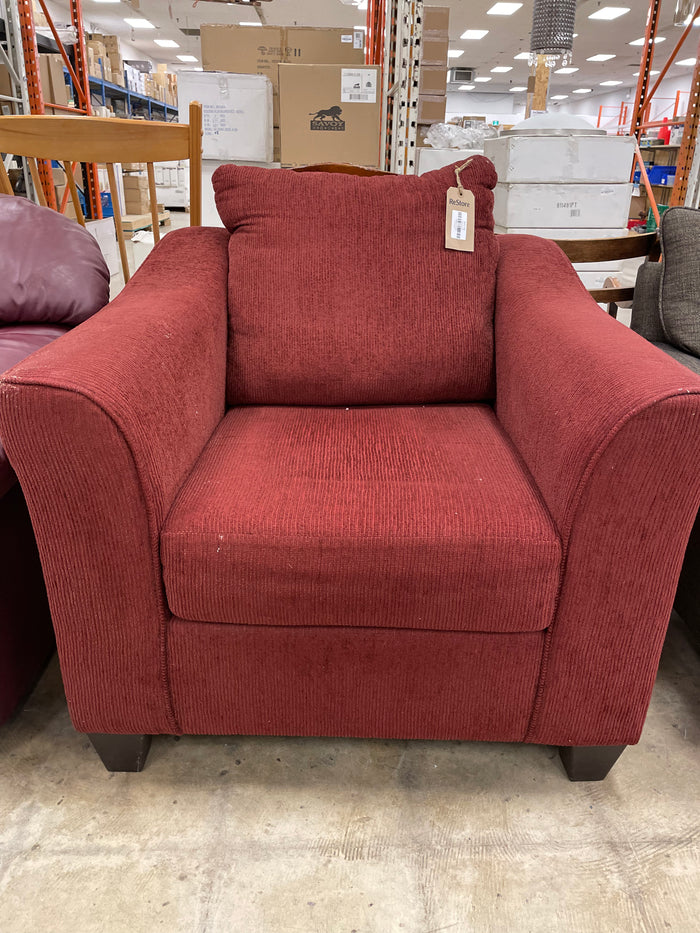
(458, 169)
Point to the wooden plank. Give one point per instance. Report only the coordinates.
(134, 222)
(154, 202)
(195, 156)
(97, 139)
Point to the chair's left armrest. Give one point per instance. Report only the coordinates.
(102, 427)
(609, 428)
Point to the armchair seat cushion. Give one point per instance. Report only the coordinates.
(401, 517)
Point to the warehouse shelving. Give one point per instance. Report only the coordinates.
(106, 90)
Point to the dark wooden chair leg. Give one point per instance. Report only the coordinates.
(121, 752)
(589, 762)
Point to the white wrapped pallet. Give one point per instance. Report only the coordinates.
(548, 206)
(561, 159)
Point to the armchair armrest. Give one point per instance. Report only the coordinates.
(609, 428)
(102, 426)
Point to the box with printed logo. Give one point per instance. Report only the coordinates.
(329, 113)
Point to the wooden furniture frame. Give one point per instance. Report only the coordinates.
(70, 140)
(609, 250)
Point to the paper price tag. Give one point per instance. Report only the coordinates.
(459, 220)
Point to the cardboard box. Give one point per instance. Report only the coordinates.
(7, 107)
(566, 159)
(565, 206)
(432, 80)
(431, 109)
(137, 202)
(434, 50)
(236, 113)
(133, 166)
(436, 20)
(135, 183)
(259, 50)
(329, 113)
(53, 84)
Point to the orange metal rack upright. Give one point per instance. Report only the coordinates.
(79, 74)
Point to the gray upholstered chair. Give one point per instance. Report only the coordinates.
(666, 311)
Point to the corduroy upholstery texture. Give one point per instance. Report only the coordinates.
(341, 291)
(680, 274)
(119, 410)
(119, 435)
(607, 426)
(403, 517)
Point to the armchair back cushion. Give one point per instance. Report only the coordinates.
(680, 274)
(341, 291)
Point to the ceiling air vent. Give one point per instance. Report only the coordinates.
(460, 75)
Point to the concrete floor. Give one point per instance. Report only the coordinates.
(264, 835)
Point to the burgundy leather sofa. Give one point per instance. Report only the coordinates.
(315, 474)
(52, 276)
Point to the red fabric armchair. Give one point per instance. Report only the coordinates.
(315, 474)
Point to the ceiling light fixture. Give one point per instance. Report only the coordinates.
(474, 34)
(610, 83)
(482, 80)
(641, 41)
(686, 61)
(455, 53)
(188, 58)
(167, 43)
(250, 24)
(609, 12)
(600, 58)
(582, 90)
(636, 74)
(521, 56)
(501, 69)
(514, 89)
(565, 71)
(139, 24)
(466, 87)
(559, 96)
(504, 9)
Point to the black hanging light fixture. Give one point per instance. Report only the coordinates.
(552, 31)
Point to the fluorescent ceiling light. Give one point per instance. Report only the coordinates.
(565, 71)
(167, 43)
(610, 83)
(474, 34)
(107, 1)
(582, 90)
(688, 18)
(641, 41)
(482, 80)
(501, 69)
(455, 53)
(514, 89)
(600, 58)
(686, 61)
(198, 68)
(521, 57)
(504, 9)
(139, 24)
(250, 24)
(609, 12)
(466, 87)
(636, 74)
(188, 58)
(559, 96)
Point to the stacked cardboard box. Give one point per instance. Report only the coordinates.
(7, 107)
(136, 197)
(248, 50)
(432, 88)
(53, 83)
(105, 58)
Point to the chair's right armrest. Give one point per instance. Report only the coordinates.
(102, 427)
(646, 320)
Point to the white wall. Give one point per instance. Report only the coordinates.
(506, 108)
